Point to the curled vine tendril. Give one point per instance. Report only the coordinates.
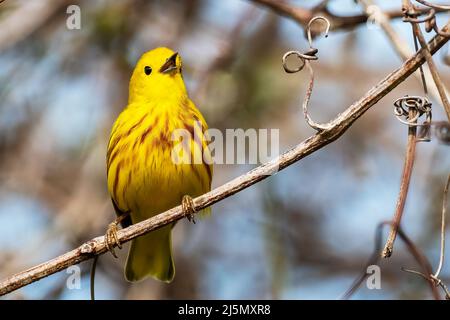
(419, 106)
(429, 19)
(311, 54)
(305, 58)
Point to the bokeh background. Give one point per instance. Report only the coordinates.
(304, 233)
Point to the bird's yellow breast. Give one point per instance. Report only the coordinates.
(142, 175)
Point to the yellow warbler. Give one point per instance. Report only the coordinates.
(144, 176)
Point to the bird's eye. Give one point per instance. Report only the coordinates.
(148, 70)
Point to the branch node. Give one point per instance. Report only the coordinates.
(88, 247)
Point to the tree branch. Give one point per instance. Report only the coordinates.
(339, 125)
(303, 16)
(375, 257)
(433, 70)
(398, 43)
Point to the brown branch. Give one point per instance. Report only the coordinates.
(434, 73)
(343, 121)
(404, 186)
(427, 275)
(303, 16)
(374, 258)
(403, 50)
(433, 5)
(421, 259)
(443, 214)
(398, 43)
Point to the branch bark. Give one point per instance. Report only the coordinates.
(342, 122)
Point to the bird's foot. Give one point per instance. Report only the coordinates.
(188, 208)
(111, 238)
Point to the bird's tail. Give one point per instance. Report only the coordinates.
(151, 255)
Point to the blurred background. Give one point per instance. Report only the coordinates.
(304, 233)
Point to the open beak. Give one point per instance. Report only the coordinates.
(170, 64)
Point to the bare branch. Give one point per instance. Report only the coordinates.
(399, 44)
(97, 245)
(434, 73)
(374, 258)
(432, 5)
(404, 186)
(421, 259)
(303, 16)
(443, 213)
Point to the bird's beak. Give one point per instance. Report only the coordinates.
(170, 64)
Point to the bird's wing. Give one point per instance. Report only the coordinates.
(127, 220)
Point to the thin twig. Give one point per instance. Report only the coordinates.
(438, 282)
(434, 73)
(382, 19)
(374, 257)
(412, 248)
(434, 278)
(443, 214)
(92, 277)
(432, 5)
(404, 186)
(421, 259)
(399, 44)
(303, 16)
(343, 121)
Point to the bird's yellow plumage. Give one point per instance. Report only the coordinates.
(143, 178)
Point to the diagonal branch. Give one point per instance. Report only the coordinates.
(343, 121)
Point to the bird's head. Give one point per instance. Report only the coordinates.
(157, 75)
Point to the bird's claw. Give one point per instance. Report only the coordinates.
(111, 238)
(188, 208)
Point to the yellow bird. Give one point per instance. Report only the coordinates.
(145, 174)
